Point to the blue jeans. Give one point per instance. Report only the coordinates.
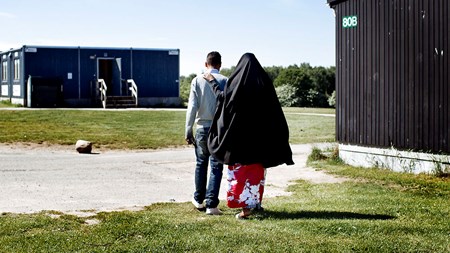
(210, 194)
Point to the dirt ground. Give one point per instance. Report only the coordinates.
(34, 178)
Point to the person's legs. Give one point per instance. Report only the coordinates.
(201, 168)
(259, 207)
(247, 188)
(215, 178)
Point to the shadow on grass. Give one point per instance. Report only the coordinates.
(327, 215)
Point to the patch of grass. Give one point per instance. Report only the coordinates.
(7, 104)
(316, 155)
(310, 129)
(109, 129)
(309, 110)
(424, 184)
(355, 216)
(112, 129)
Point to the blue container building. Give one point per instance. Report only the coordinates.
(44, 76)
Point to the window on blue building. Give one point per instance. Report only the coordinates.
(4, 71)
(16, 69)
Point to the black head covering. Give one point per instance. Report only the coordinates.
(249, 125)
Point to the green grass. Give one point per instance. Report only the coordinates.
(148, 129)
(109, 129)
(310, 129)
(309, 110)
(8, 104)
(361, 215)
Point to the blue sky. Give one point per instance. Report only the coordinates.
(278, 32)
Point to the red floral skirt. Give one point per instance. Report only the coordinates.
(245, 185)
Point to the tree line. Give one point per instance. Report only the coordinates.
(296, 86)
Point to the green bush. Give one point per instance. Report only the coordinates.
(185, 86)
(332, 99)
(296, 86)
(287, 95)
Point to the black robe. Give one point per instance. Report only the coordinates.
(249, 125)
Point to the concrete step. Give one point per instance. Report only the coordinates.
(120, 102)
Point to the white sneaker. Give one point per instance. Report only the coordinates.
(213, 211)
(196, 204)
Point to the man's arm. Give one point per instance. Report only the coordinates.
(191, 113)
(213, 82)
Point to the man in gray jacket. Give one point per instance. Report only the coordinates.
(201, 109)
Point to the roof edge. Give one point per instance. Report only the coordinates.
(99, 48)
(87, 47)
(333, 3)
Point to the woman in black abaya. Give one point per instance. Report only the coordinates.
(249, 132)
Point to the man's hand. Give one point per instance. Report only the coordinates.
(208, 77)
(190, 140)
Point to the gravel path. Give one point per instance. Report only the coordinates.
(35, 178)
